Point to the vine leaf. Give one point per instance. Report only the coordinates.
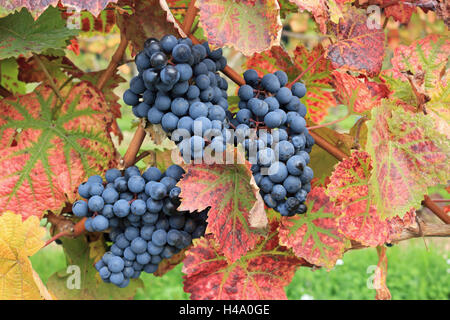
(231, 196)
(77, 253)
(317, 81)
(61, 68)
(248, 25)
(357, 47)
(358, 94)
(37, 7)
(426, 59)
(409, 155)
(46, 153)
(8, 76)
(401, 11)
(148, 20)
(428, 56)
(379, 281)
(314, 236)
(359, 219)
(19, 240)
(269, 61)
(20, 33)
(259, 274)
(319, 96)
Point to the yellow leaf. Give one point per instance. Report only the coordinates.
(18, 241)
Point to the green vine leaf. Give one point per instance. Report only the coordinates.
(20, 33)
(46, 151)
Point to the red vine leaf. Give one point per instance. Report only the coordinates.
(359, 219)
(317, 80)
(248, 25)
(314, 236)
(401, 11)
(409, 155)
(426, 58)
(269, 61)
(358, 94)
(43, 163)
(379, 281)
(227, 190)
(259, 274)
(148, 20)
(357, 47)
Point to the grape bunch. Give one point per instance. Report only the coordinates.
(141, 213)
(272, 127)
(179, 87)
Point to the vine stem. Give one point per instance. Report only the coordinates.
(436, 209)
(189, 17)
(49, 77)
(129, 158)
(329, 123)
(416, 231)
(116, 59)
(331, 149)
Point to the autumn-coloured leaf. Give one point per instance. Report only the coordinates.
(227, 190)
(359, 220)
(91, 286)
(148, 20)
(323, 162)
(357, 47)
(319, 96)
(61, 70)
(19, 239)
(314, 236)
(358, 94)
(409, 155)
(260, 274)
(248, 25)
(401, 11)
(318, 9)
(37, 7)
(47, 152)
(426, 56)
(21, 33)
(269, 61)
(379, 281)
